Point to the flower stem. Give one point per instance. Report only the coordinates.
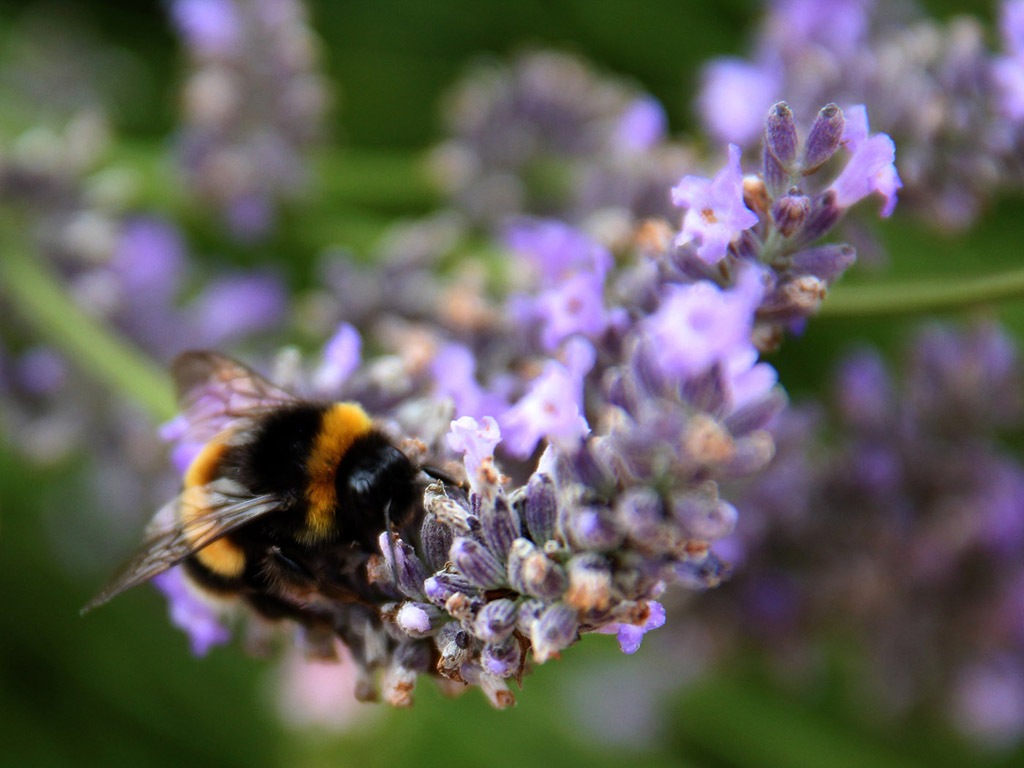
(918, 298)
(40, 300)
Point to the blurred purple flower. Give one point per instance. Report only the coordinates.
(210, 26)
(150, 259)
(575, 306)
(1011, 27)
(551, 408)
(641, 127)
(864, 391)
(341, 356)
(715, 212)
(989, 703)
(835, 25)
(453, 371)
(735, 96)
(1008, 71)
(239, 305)
(189, 613)
(699, 324)
(40, 371)
(555, 249)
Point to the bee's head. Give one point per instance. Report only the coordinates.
(373, 475)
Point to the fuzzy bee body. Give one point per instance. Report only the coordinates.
(283, 504)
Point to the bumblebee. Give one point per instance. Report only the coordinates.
(284, 503)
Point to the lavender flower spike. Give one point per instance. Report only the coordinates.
(716, 212)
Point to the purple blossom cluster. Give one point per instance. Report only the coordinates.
(951, 104)
(897, 509)
(775, 221)
(253, 104)
(594, 411)
(547, 136)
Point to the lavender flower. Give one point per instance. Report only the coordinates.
(629, 635)
(734, 97)
(951, 106)
(254, 103)
(678, 331)
(550, 409)
(1008, 70)
(476, 442)
(914, 510)
(715, 212)
(547, 136)
(871, 168)
(598, 478)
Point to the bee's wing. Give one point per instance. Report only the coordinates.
(218, 508)
(215, 391)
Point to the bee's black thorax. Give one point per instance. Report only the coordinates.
(274, 460)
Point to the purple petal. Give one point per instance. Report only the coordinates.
(190, 613)
(341, 356)
(642, 126)
(734, 98)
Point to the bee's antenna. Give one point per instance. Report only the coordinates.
(391, 542)
(439, 474)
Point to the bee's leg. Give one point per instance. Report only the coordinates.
(316, 626)
(318, 641)
(289, 565)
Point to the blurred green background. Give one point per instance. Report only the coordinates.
(120, 686)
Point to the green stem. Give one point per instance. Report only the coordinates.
(41, 301)
(918, 298)
(392, 180)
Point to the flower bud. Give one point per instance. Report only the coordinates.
(418, 619)
(476, 563)
(780, 134)
(450, 512)
(437, 541)
(823, 138)
(790, 212)
(590, 583)
(541, 508)
(454, 645)
(500, 524)
(502, 659)
(592, 528)
(496, 620)
(440, 587)
(779, 149)
(532, 572)
(704, 518)
(529, 611)
(554, 630)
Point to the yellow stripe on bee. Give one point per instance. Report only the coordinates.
(341, 425)
(221, 556)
